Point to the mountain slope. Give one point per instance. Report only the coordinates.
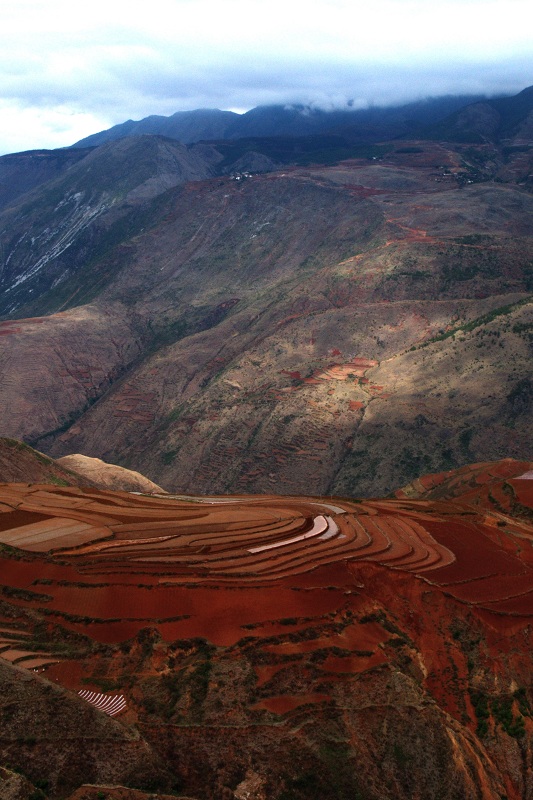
(95, 204)
(185, 126)
(19, 463)
(108, 476)
(49, 732)
(336, 328)
(21, 172)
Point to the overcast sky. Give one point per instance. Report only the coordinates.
(70, 69)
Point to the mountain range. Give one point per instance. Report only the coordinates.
(340, 319)
(465, 119)
(370, 124)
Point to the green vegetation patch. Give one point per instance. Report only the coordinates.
(57, 481)
(484, 319)
(502, 711)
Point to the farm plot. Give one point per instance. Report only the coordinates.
(49, 534)
(112, 705)
(14, 649)
(114, 562)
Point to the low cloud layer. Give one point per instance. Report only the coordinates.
(63, 77)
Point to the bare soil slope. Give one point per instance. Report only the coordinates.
(21, 463)
(108, 476)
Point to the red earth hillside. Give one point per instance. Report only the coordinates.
(275, 641)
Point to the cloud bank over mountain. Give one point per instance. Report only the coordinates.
(64, 76)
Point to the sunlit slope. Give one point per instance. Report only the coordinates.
(350, 375)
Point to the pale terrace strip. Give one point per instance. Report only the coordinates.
(109, 704)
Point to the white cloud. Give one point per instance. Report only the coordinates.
(65, 72)
(34, 128)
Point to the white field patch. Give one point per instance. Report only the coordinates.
(332, 531)
(320, 525)
(109, 704)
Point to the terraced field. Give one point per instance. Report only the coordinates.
(16, 648)
(194, 616)
(101, 554)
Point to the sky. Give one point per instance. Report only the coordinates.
(69, 69)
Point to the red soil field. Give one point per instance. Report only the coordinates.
(284, 704)
(524, 491)
(229, 568)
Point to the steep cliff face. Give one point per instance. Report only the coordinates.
(274, 647)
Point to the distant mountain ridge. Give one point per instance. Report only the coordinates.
(186, 126)
(371, 124)
(488, 120)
